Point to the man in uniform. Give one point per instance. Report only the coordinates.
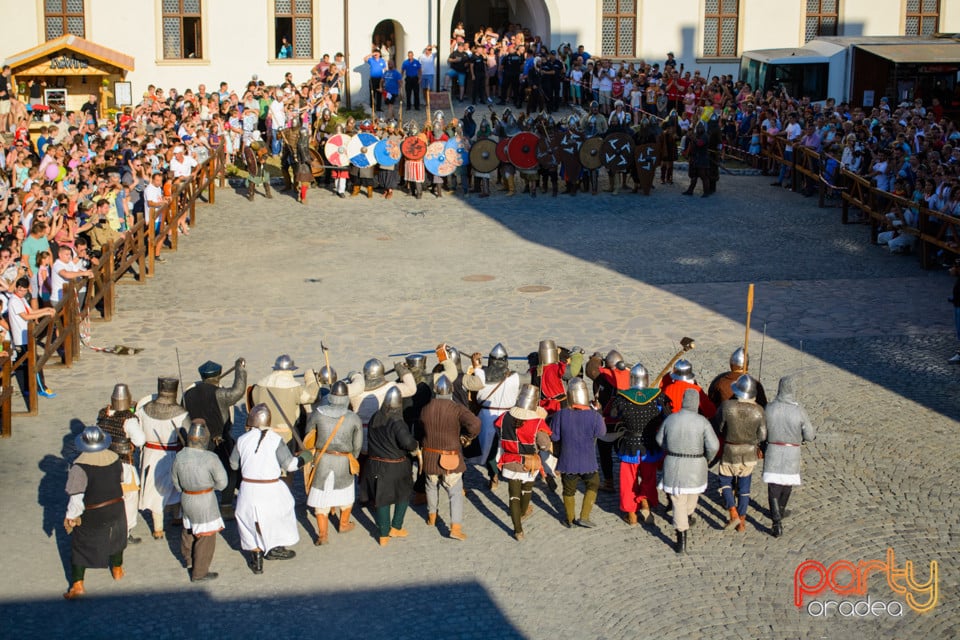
(210, 402)
(511, 65)
(118, 421)
(720, 389)
(741, 423)
(788, 427)
(265, 509)
(95, 519)
(339, 436)
(498, 392)
(197, 472)
(161, 420)
(284, 396)
(641, 410)
(445, 426)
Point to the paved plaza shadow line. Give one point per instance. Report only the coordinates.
(449, 610)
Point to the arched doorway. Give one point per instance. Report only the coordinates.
(531, 15)
(389, 34)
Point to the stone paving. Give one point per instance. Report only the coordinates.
(376, 277)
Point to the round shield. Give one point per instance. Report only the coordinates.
(435, 159)
(336, 150)
(522, 150)
(569, 152)
(646, 156)
(502, 155)
(483, 156)
(461, 144)
(413, 147)
(590, 153)
(316, 163)
(360, 150)
(617, 152)
(387, 151)
(548, 151)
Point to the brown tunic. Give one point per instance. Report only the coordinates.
(443, 423)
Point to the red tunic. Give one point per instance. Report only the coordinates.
(518, 438)
(674, 389)
(551, 386)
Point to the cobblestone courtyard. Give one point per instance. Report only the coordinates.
(375, 277)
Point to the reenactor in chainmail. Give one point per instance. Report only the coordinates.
(741, 423)
(118, 421)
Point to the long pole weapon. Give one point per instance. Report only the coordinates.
(746, 337)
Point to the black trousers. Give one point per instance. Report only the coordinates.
(412, 87)
(377, 102)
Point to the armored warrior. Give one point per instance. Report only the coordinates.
(641, 410)
(667, 149)
(364, 176)
(551, 369)
(593, 125)
(413, 170)
(197, 472)
(481, 179)
(265, 508)
(254, 155)
(741, 423)
(678, 381)
(118, 421)
(507, 127)
(161, 419)
(498, 390)
(338, 440)
(387, 175)
(284, 396)
(698, 155)
(212, 403)
(95, 518)
(577, 427)
(609, 376)
(437, 134)
(721, 387)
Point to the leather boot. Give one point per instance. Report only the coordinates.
(369, 192)
(569, 505)
(266, 189)
(734, 520)
(76, 590)
(742, 525)
(345, 524)
(681, 546)
(355, 191)
(398, 533)
(456, 532)
(384, 541)
(323, 528)
(117, 572)
(511, 186)
(431, 519)
(439, 190)
(589, 498)
(777, 529)
(256, 562)
(251, 191)
(645, 511)
(630, 517)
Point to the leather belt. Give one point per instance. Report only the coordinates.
(748, 444)
(163, 447)
(198, 493)
(391, 460)
(337, 453)
(256, 481)
(497, 408)
(684, 455)
(90, 507)
(441, 451)
(785, 444)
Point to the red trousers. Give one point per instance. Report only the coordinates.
(632, 492)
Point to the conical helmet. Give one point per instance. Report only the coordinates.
(393, 399)
(639, 378)
(577, 393)
(497, 354)
(259, 417)
(739, 360)
(682, 370)
(442, 386)
(120, 398)
(745, 388)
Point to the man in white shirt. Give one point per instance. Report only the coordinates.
(182, 165)
(64, 269)
(154, 199)
(19, 315)
(278, 120)
(793, 132)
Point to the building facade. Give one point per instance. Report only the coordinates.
(182, 43)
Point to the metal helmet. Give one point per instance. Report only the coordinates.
(573, 122)
(92, 439)
(528, 398)
(745, 388)
(167, 390)
(468, 111)
(393, 399)
(417, 362)
(639, 378)
(453, 354)
(198, 436)
(325, 114)
(613, 359)
(120, 398)
(412, 128)
(442, 386)
(594, 105)
(284, 363)
(373, 373)
(327, 375)
(339, 388)
(577, 393)
(739, 360)
(497, 354)
(548, 352)
(682, 370)
(259, 417)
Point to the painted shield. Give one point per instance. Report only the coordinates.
(502, 155)
(522, 150)
(617, 152)
(360, 150)
(413, 147)
(316, 163)
(548, 151)
(387, 151)
(590, 156)
(461, 144)
(336, 150)
(483, 156)
(436, 160)
(646, 156)
(569, 153)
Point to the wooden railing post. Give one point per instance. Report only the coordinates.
(141, 246)
(151, 239)
(173, 212)
(211, 177)
(106, 263)
(6, 394)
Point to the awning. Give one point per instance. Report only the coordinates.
(923, 53)
(69, 55)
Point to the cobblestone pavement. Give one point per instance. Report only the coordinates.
(376, 277)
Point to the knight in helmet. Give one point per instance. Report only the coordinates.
(609, 375)
(714, 142)
(549, 171)
(337, 434)
(213, 404)
(95, 518)
(552, 365)
(387, 477)
(667, 148)
(286, 396)
(265, 513)
(363, 177)
(118, 421)
(698, 155)
(481, 179)
(640, 411)
(573, 172)
(197, 473)
(387, 175)
(254, 156)
(679, 380)
(449, 365)
(593, 125)
(161, 419)
(577, 427)
(368, 389)
(436, 134)
(340, 175)
(742, 425)
(507, 127)
(467, 124)
(414, 172)
(445, 425)
(721, 389)
(498, 388)
(523, 435)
